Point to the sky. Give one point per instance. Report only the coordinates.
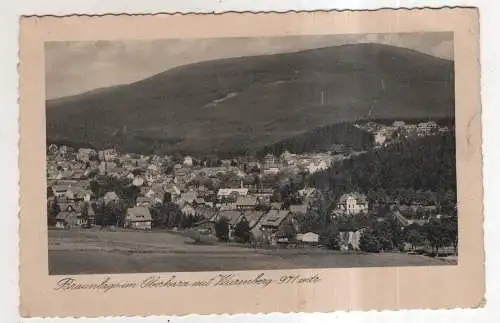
(77, 67)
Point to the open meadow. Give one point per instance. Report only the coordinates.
(107, 252)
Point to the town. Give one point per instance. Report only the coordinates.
(259, 202)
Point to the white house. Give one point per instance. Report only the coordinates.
(188, 161)
(353, 203)
(380, 137)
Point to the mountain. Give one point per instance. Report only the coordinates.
(245, 103)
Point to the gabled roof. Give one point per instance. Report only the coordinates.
(64, 206)
(249, 200)
(254, 217)
(233, 217)
(64, 215)
(138, 214)
(274, 218)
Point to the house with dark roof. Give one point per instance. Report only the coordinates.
(276, 224)
(138, 218)
(70, 216)
(232, 217)
(253, 217)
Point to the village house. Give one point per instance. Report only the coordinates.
(110, 197)
(427, 128)
(188, 161)
(353, 203)
(232, 218)
(248, 202)
(86, 154)
(274, 223)
(69, 217)
(138, 218)
(108, 154)
(226, 192)
(253, 218)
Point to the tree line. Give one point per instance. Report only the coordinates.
(321, 139)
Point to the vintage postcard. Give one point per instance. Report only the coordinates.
(250, 163)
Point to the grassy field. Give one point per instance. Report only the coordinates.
(99, 252)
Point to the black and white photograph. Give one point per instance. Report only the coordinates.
(251, 153)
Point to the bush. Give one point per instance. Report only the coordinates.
(369, 242)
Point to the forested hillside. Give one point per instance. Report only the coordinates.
(419, 164)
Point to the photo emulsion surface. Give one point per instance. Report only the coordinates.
(252, 153)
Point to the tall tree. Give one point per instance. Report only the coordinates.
(222, 229)
(242, 231)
